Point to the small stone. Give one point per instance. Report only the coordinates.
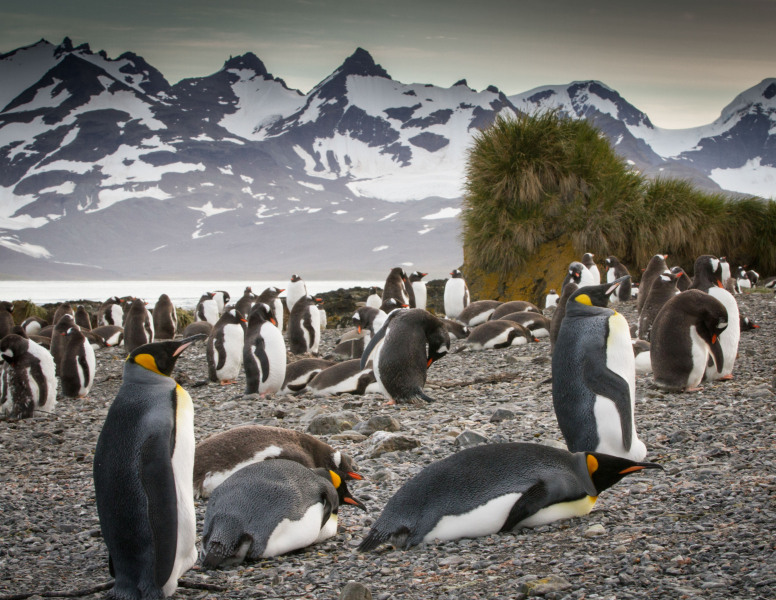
(470, 438)
(501, 414)
(327, 424)
(384, 441)
(544, 586)
(595, 530)
(355, 591)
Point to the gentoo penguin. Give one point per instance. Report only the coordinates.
(655, 267)
(594, 376)
(62, 309)
(477, 312)
(222, 299)
(6, 318)
(726, 271)
(391, 304)
(296, 290)
(538, 325)
(498, 334)
(661, 290)
(349, 347)
(324, 319)
(207, 309)
(220, 455)
(551, 300)
(304, 326)
(271, 297)
(574, 273)
(419, 289)
(143, 483)
(506, 308)
(455, 330)
(346, 377)
(747, 324)
(586, 277)
(138, 325)
(29, 381)
(197, 328)
(496, 488)
(77, 369)
(111, 335)
(58, 341)
(165, 318)
(616, 270)
(742, 279)
(769, 283)
(267, 509)
(641, 352)
(245, 303)
(683, 282)
(753, 277)
(395, 287)
(301, 372)
(33, 325)
(708, 278)
(456, 296)
(587, 260)
(685, 332)
(82, 318)
(224, 347)
(111, 312)
(409, 342)
(264, 352)
(373, 300)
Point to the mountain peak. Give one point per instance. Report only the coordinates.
(362, 63)
(65, 46)
(246, 61)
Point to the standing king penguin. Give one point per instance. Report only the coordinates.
(594, 377)
(143, 476)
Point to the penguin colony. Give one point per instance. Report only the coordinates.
(145, 505)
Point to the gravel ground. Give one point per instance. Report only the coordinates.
(705, 527)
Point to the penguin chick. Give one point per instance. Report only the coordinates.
(224, 347)
(29, 382)
(496, 488)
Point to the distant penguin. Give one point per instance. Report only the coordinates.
(391, 304)
(456, 295)
(296, 290)
(395, 287)
(138, 326)
(655, 267)
(267, 509)
(419, 289)
(586, 277)
(197, 328)
(301, 372)
(373, 300)
(304, 326)
(742, 279)
(726, 270)
(747, 324)
(271, 297)
(506, 308)
(32, 325)
(28, 377)
(222, 299)
(551, 300)
(6, 318)
(616, 270)
(661, 290)
(538, 325)
(641, 352)
(207, 309)
(58, 341)
(455, 330)
(685, 332)
(477, 312)
(683, 282)
(347, 377)
(111, 335)
(498, 334)
(410, 341)
(63, 309)
(224, 347)
(78, 365)
(165, 318)
(323, 317)
(495, 488)
(111, 312)
(222, 454)
(264, 352)
(587, 260)
(594, 377)
(143, 483)
(574, 273)
(708, 278)
(753, 277)
(246, 302)
(82, 318)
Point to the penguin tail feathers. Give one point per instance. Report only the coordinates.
(372, 541)
(424, 396)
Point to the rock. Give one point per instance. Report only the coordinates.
(595, 530)
(470, 438)
(384, 441)
(355, 591)
(327, 424)
(378, 423)
(545, 585)
(501, 414)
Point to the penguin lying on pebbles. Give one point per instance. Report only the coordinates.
(271, 508)
(222, 454)
(537, 324)
(514, 306)
(477, 312)
(344, 378)
(496, 488)
(301, 372)
(498, 334)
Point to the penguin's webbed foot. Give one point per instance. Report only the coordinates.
(228, 381)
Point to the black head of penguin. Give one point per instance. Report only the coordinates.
(160, 357)
(456, 274)
(390, 304)
(707, 273)
(295, 278)
(574, 274)
(343, 493)
(261, 313)
(594, 295)
(13, 347)
(605, 470)
(417, 276)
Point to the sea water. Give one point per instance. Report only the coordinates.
(184, 294)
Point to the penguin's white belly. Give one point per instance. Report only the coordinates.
(210, 310)
(215, 478)
(314, 340)
(483, 520)
(501, 338)
(562, 510)
(610, 277)
(344, 386)
(87, 378)
(643, 363)
(586, 278)
(291, 535)
(729, 338)
(117, 314)
(481, 318)
(540, 333)
(455, 290)
(700, 356)
(374, 301)
(275, 347)
(596, 274)
(419, 289)
(234, 338)
(49, 373)
(183, 469)
(278, 305)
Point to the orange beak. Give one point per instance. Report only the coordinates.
(354, 475)
(274, 321)
(430, 360)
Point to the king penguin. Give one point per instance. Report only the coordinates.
(594, 377)
(29, 382)
(264, 352)
(165, 318)
(224, 350)
(143, 466)
(456, 296)
(496, 488)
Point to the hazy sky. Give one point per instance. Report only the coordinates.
(680, 61)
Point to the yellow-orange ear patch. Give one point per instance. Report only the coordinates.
(335, 479)
(148, 362)
(584, 299)
(592, 464)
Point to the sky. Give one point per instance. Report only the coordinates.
(679, 61)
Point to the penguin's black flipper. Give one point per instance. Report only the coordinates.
(158, 481)
(604, 382)
(532, 501)
(376, 338)
(260, 352)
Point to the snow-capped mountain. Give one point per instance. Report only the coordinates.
(108, 170)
